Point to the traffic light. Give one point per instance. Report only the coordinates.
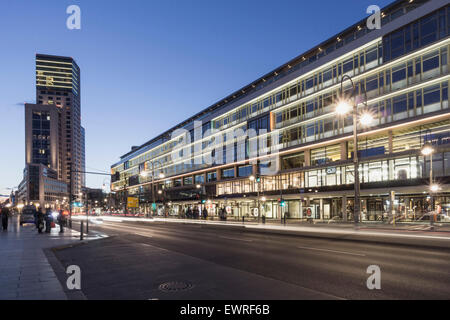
(203, 201)
(258, 178)
(281, 202)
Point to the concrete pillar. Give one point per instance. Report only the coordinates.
(391, 203)
(300, 206)
(254, 169)
(344, 150)
(321, 208)
(307, 158)
(219, 174)
(344, 208)
(391, 142)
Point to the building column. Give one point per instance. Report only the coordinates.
(321, 208)
(300, 206)
(254, 169)
(219, 174)
(344, 150)
(307, 158)
(344, 208)
(391, 204)
(391, 142)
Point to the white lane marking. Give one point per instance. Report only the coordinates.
(334, 251)
(236, 239)
(143, 235)
(125, 227)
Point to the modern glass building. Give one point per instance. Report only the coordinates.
(58, 85)
(280, 137)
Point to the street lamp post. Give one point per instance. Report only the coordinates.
(343, 108)
(428, 150)
(161, 176)
(258, 181)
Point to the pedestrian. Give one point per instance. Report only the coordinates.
(222, 214)
(5, 216)
(48, 220)
(189, 213)
(40, 220)
(35, 214)
(61, 221)
(196, 213)
(205, 213)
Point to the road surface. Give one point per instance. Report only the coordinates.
(220, 263)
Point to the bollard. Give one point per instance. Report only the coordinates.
(81, 230)
(263, 219)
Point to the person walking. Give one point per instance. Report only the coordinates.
(5, 216)
(205, 213)
(48, 220)
(40, 220)
(35, 215)
(61, 221)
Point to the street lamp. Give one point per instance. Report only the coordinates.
(258, 180)
(344, 107)
(428, 150)
(161, 176)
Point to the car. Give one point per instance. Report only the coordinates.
(27, 215)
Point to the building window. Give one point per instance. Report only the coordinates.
(199, 178)
(245, 171)
(326, 154)
(211, 176)
(293, 161)
(228, 173)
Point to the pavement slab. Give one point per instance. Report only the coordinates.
(25, 272)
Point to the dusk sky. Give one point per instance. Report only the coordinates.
(148, 65)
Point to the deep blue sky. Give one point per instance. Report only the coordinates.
(147, 65)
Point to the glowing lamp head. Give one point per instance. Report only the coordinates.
(263, 199)
(366, 119)
(252, 178)
(427, 150)
(159, 191)
(343, 107)
(144, 174)
(162, 176)
(434, 188)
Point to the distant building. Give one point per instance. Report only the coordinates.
(54, 138)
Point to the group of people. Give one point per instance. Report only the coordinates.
(223, 214)
(195, 214)
(5, 213)
(42, 219)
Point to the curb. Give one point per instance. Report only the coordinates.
(60, 272)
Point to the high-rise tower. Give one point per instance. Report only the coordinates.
(58, 85)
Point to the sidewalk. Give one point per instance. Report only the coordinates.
(25, 272)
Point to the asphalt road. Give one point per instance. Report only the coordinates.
(231, 264)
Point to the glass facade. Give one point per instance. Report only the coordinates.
(405, 76)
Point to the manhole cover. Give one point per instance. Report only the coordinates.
(175, 286)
